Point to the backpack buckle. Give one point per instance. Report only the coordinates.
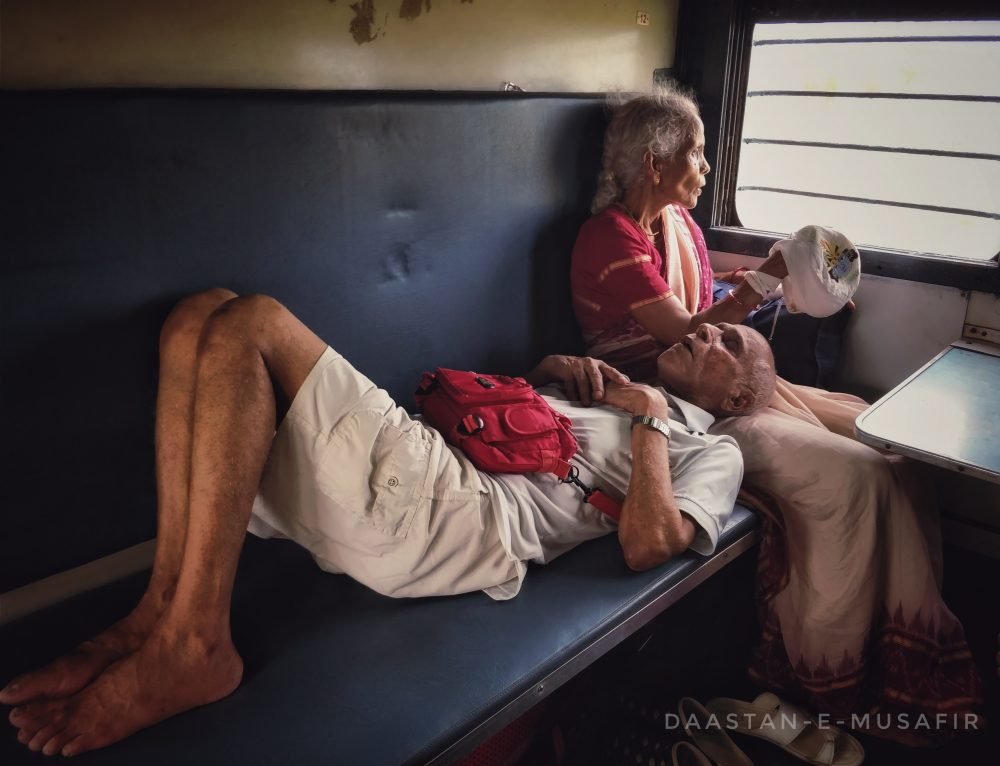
(471, 425)
(596, 497)
(573, 477)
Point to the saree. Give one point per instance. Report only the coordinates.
(617, 269)
(849, 568)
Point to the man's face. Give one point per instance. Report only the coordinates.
(708, 367)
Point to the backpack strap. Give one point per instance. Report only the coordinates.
(563, 469)
(605, 504)
(596, 497)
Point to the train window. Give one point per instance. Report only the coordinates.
(887, 130)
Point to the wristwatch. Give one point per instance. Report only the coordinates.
(650, 422)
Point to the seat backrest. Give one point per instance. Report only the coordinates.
(410, 230)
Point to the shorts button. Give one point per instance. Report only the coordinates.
(393, 481)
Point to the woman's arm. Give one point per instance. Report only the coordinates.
(651, 529)
(733, 277)
(668, 321)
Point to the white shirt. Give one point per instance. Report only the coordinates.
(540, 518)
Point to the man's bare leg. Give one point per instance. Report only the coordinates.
(188, 659)
(179, 340)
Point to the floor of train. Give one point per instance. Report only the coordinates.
(613, 714)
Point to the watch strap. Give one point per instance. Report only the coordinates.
(650, 422)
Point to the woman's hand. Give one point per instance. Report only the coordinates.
(581, 377)
(774, 265)
(637, 399)
(733, 277)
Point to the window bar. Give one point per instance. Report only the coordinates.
(857, 94)
(873, 148)
(866, 200)
(910, 39)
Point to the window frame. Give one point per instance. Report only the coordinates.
(713, 59)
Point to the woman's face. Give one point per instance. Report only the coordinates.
(683, 176)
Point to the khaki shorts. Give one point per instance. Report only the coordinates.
(375, 494)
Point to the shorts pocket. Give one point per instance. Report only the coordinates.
(376, 471)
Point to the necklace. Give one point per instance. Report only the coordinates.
(648, 232)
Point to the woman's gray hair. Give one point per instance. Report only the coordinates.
(661, 122)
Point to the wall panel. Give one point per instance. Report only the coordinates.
(586, 45)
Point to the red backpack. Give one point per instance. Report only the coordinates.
(504, 426)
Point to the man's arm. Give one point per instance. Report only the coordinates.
(582, 377)
(651, 529)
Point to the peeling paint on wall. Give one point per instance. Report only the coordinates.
(410, 9)
(363, 21)
(364, 12)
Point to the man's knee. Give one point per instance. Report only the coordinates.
(245, 318)
(187, 320)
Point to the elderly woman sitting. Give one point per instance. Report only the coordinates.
(641, 275)
(849, 569)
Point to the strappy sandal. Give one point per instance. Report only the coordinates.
(686, 754)
(790, 728)
(709, 735)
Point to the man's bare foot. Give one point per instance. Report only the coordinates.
(74, 670)
(167, 675)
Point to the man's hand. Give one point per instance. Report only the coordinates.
(582, 377)
(637, 399)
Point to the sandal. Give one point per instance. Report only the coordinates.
(790, 728)
(709, 735)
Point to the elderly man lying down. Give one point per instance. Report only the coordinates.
(371, 492)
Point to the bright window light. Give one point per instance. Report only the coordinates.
(887, 131)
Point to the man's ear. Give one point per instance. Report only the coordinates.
(740, 401)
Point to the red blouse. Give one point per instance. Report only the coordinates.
(615, 270)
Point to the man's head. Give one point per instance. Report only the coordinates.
(725, 369)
